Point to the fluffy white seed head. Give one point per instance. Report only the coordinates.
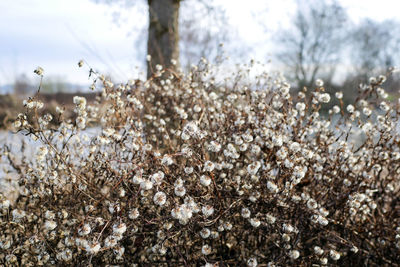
(160, 198)
(334, 255)
(294, 254)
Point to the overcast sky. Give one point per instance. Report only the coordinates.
(56, 34)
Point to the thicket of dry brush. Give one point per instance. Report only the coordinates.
(196, 170)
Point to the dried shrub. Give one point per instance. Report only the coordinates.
(187, 170)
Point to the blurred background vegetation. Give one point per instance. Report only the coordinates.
(321, 41)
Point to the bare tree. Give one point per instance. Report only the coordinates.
(196, 34)
(163, 30)
(312, 47)
(163, 35)
(203, 27)
(375, 46)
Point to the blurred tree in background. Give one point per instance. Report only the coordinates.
(311, 48)
(375, 46)
(373, 49)
(322, 41)
(183, 38)
(163, 34)
(203, 31)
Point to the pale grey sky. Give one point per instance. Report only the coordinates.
(56, 34)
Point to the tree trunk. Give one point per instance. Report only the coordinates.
(163, 40)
